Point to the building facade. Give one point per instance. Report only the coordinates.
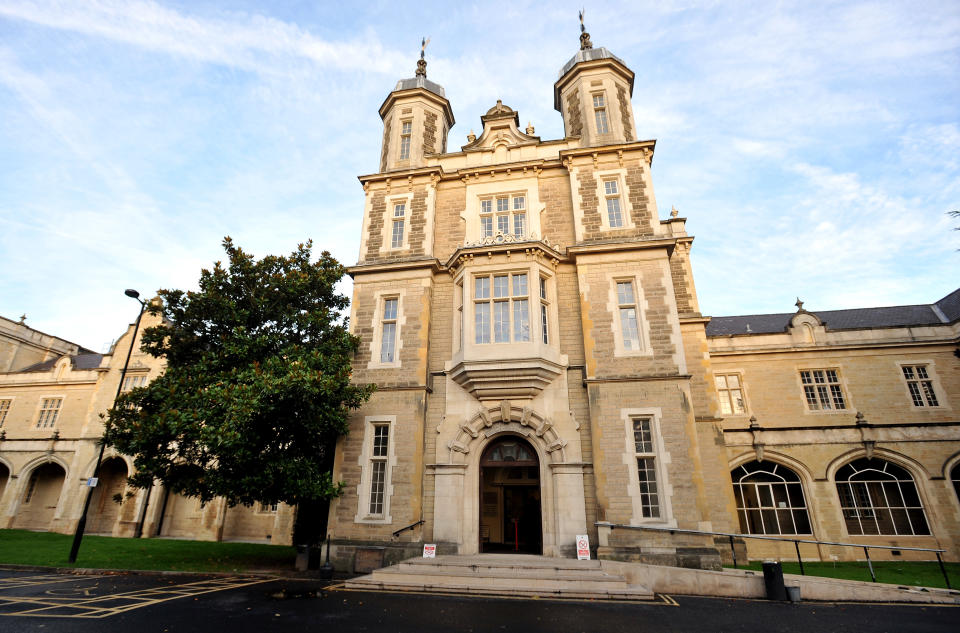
(50, 425)
(544, 369)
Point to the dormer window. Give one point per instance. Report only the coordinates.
(406, 129)
(600, 113)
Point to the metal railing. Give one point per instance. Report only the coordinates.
(796, 543)
(409, 527)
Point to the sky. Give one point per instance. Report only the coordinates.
(814, 147)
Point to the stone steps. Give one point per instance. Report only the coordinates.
(505, 575)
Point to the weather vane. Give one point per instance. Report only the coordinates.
(422, 63)
(585, 42)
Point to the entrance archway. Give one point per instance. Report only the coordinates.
(40, 498)
(104, 509)
(510, 508)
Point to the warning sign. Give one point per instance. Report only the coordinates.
(429, 550)
(583, 547)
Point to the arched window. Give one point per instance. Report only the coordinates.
(878, 497)
(769, 499)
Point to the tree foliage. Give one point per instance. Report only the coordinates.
(257, 384)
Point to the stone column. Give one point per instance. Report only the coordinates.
(449, 503)
(569, 506)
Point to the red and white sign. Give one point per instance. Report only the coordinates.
(429, 550)
(583, 547)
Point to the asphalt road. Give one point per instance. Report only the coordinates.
(51, 603)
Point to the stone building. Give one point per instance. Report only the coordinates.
(544, 369)
(50, 406)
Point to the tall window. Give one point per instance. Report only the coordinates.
(822, 389)
(510, 215)
(388, 339)
(134, 381)
(544, 309)
(769, 499)
(627, 303)
(406, 128)
(503, 315)
(878, 497)
(4, 409)
(49, 410)
(611, 192)
(920, 386)
(399, 219)
(378, 467)
(32, 485)
(600, 113)
(646, 467)
(730, 392)
(955, 478)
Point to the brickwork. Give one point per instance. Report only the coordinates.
(413, 325)
(624, 101)
(450, 203)
(602, 361)
(633, 197)
(429, 133)
(589, 203)
(418, 219)
(574, 115)
(404, 477)
(637, 197)
(556, 222)
(614, 478)
(378, 209)
(386, 144)
(681, 287)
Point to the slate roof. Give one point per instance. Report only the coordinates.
(420, 82)
(947, 310)
(78, 361)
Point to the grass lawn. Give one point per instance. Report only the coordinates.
(103, 552)
(911, 573)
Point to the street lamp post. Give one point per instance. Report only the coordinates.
(82, 524)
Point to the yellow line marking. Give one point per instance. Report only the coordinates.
(91, 607)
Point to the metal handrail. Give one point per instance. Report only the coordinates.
(796, 544)
(409, 527)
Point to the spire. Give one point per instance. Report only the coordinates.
(585, 42)
(422, 63)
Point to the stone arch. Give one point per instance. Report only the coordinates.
(912, 466)
(4, 476)
(474, 433)
(104, 510)
(40, 493)
(806, 475)
(27, 468)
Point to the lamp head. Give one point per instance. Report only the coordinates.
(130, 292)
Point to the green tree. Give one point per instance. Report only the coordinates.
(257, 385)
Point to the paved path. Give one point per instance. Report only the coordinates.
(65, 603)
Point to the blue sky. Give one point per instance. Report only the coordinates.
(813, 147)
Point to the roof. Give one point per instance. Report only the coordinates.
(946, 310)
(588, 55)
(78, 361)
(420, 82)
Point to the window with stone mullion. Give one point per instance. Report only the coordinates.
(507, 304)
(646, 467)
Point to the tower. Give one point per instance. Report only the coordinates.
(416, 118)
(593, 94)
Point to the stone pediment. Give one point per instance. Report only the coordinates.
(501, 127)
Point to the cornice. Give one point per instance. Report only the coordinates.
(380, 267)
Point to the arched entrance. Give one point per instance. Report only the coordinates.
(510, 518)
(40, 498)
(104, 509)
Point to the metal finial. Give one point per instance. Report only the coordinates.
(422, 63)
(585, 42)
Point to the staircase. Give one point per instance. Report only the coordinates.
(503, 575)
